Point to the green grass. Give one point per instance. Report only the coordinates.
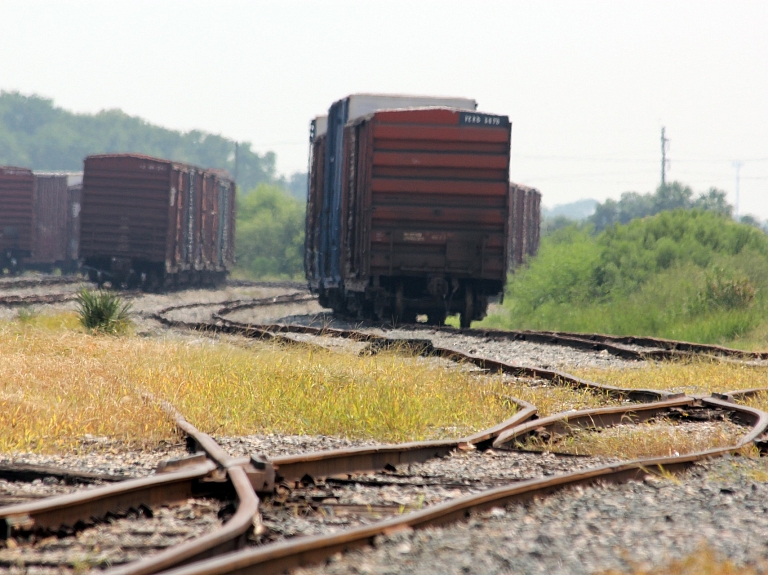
(103, 312)
(682, 275)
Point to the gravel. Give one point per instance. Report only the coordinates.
(324, 506)
(13, 492)
(104, 456)
(719, 504)
(522, 353)
(275, 444)
(115, 542)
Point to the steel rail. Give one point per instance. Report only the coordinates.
(30, 472)
(40, 282)
(278, 558)
(600, 417)
(294, 297)
(658, 348)
(740, 393)
(57, 512)
(661, 343)
(229, 537)
(425, 347)
(655, 348)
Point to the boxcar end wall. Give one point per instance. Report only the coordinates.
(422, 219)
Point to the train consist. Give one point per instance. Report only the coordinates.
(410, 210)
(130, 220)
(154, 223)
(39, 220)
(524, 224)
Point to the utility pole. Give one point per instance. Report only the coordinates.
(237, 153)
(737, 164)
(664, 142)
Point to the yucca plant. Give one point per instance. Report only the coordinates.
(103, 311)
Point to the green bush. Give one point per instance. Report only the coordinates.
(103, 312)
(270, 234)
(685, 274)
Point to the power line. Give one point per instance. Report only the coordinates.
(737, 164)
(664, 142)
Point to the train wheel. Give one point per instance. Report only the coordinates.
(399, 304)
(469, 307)
(437, 318)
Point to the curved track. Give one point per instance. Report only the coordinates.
(215, 473)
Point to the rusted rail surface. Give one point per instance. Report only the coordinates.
(68, 510)
(25, 282)
(221, 551)
(278, 558)
(21, 300)
(425, 347)
(650, 347)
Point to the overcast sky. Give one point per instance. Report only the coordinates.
(587, 85)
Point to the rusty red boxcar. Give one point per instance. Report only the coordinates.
(51, 222)
(36, 220)
(525, 224)
(424, 214)
(16, 216)
(155, 223)
(317, 138)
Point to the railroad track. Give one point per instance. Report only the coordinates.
(319, 488)
(41, 281)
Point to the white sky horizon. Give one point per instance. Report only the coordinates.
(587, 85)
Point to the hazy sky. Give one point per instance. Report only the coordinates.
(587, 84)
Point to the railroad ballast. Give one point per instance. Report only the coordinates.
(409, 209)
(152, 223)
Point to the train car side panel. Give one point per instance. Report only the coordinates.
(155, 222)
(16, 216)
(49, 241)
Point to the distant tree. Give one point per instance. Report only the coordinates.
(606, 214)
(270, 233)
(673, 196)
(551, 225)
(36, 134)
(714, 201)
(751, 221)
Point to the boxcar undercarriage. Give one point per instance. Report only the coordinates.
(402, 299)
(146, 275)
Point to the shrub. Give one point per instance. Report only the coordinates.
(103, 312)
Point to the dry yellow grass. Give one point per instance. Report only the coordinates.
(652, 439)
(694, 377)
(58, 383)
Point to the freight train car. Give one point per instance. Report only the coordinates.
(420, 223)
(317, 137)
(524, 224)
(16, 216)
(36, 220)
(155, 223)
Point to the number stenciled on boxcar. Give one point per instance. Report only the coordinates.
(483, 120)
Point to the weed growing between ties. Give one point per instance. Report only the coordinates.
(651, 439)
(698, 376)
(103, 312)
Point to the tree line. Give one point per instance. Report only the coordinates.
(36, 134)
(634, 205)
